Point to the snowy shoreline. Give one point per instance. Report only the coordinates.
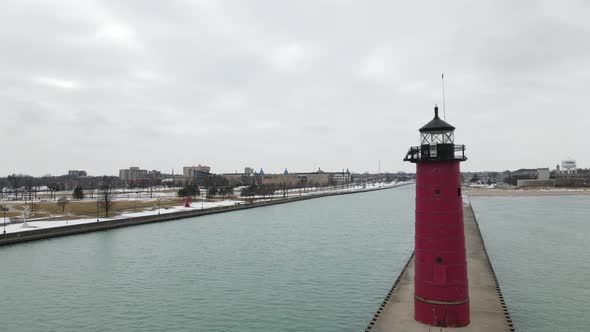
(178, 212)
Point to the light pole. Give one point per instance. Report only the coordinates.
(4, 209)
(97, 210)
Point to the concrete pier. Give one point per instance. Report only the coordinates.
(488, 310)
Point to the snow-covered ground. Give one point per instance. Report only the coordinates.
(20, 227)
(33, 224)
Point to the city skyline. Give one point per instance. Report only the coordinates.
(103, 85)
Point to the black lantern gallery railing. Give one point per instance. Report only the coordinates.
(438, 152)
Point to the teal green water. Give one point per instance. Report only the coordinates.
(540, 251)
(317, 265)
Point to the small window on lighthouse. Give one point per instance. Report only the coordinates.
(437, 137)
(425, 139)
(449, 137)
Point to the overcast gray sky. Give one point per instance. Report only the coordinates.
(103, 85)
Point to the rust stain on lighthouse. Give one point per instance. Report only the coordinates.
(441, 296)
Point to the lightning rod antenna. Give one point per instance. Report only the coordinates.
(442, 77)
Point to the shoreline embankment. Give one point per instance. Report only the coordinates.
(46, 233)
(526, 192)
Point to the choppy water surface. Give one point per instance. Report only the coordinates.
(540, 247)
(317, 265)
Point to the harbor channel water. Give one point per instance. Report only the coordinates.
(539, 248)
(316, 265)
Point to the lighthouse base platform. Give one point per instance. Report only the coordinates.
(488, 309)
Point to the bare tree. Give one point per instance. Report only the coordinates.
(105, 197)
(91, 186)
(62, 202)
(53, 187)
(29, 187)
(15, 183)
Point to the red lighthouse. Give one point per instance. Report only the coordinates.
(441, 296)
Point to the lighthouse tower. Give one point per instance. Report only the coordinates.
(441, 295)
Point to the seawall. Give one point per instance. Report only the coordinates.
(38, 234)
(488, 309)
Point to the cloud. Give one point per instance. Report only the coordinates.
(234, 85)
(115, 32)
(147, 75)
(290, 57)
(57, 83)
(378, 65)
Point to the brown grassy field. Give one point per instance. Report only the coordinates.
(45, 205)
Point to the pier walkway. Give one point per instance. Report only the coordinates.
(488, 310)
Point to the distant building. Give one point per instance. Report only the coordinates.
(542, 180)
(313, 179)
(242, 179)
(568, 166)
(523, 174)
(193, 175)
(287, 180)
(77, 173)
(190, 171)
(132, 174)
(200, 177)
(341, 177)
(543, 174)
(567, 170)
(321, 178)
(249, 177)
(154, 174)
(568, 175)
